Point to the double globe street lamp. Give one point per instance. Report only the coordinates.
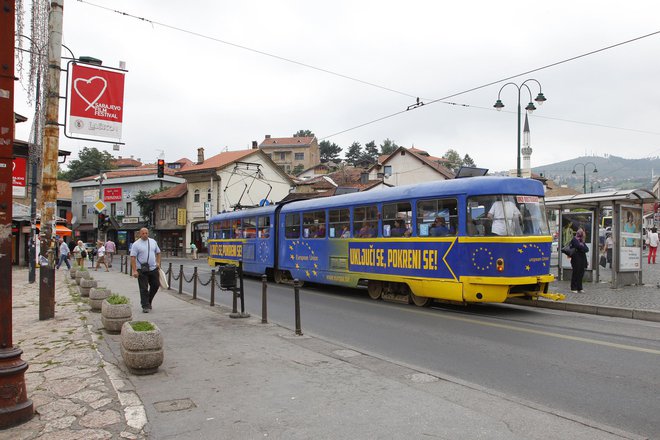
(540, 99)
(584, 173)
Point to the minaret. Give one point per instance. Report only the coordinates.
(526, 150)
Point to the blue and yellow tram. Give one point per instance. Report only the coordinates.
(480, 239)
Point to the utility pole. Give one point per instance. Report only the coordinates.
(49, 175)
(15, 407)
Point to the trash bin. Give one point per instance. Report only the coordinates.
(228, 277)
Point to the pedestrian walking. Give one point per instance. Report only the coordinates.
(608, 246)
(145, 263)
(193, 250)
(64, 255)
(100, 256)
(79, 253)
(652, 241)
(578, 261)
(110, 249)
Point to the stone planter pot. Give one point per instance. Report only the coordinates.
(142, 351)
(80, 274)
(96, 297)
(85, 285)
(72, 272)
(113, 316)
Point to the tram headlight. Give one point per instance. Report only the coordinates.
(500, 264)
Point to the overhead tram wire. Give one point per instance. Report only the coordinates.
(260, 52)
(441, 100)
(411, 107)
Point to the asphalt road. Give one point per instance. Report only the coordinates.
(599, 368)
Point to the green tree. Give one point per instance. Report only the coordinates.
(146, 205)
(329, 151)
(371, 150)
(468, 162)
(298, 169)
(455, 161)
(304, 133)
(354, 153)
(388, 147)
(90, 161)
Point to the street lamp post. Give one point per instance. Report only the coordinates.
(584, 174)
(540, 99)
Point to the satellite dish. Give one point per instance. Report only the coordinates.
(74, 219)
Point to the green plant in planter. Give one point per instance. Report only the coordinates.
(117, 299)
(142, 326)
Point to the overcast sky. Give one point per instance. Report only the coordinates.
(184, 91)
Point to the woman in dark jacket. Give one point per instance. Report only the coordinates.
(578, 261)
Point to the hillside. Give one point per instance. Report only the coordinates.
(613, 172)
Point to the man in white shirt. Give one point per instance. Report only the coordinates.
(505, 216)
(64, 255)
(145, 261)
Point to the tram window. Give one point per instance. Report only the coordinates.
(225, 229)
(396, 219)
(292, 225)
(437, 218)
(314, 224)
(250, 227)
(236, 229)
(264, 227)
(365, 221)
(339, 223)
(510, 215)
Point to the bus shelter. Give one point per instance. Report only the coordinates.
(586, 211)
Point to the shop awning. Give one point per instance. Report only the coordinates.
(59, 230)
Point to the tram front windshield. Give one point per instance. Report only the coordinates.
(506, 215)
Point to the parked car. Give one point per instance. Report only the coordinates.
(90, 249)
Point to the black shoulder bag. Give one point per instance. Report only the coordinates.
(144, 267)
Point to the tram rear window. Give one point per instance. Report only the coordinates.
(225, 228)
(292, 225)
(236, 229)
(250, 227)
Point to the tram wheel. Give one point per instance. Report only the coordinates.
(278, 276)
(375, 289)
(420, 301)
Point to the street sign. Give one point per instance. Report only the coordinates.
(207, 210)
(99, 206)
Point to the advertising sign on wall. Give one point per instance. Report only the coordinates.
(570, 223)
(181, 217)
(96, 101)
(18, 176)
(630, 248)
(112, 194)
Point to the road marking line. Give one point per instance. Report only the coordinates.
(556, 335)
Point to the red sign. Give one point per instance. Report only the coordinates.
(18, 174)
(96, 100)
(112, 194)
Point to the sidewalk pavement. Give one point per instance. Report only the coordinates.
(240, 379)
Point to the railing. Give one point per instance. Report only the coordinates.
(228, 278)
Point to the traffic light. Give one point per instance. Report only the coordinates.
(161, 168)
(101, 222)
